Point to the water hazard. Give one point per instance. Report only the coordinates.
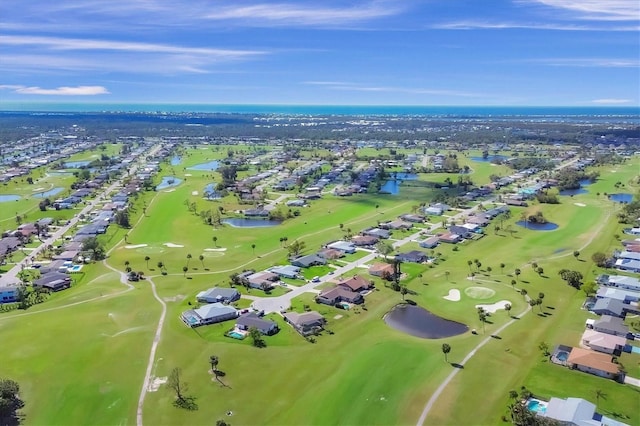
(419, 322)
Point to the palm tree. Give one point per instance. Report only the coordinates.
(126, 264)
(513, 284)
(469, 262)
(539, 303)
(600, 395)
(420, 276)
(160, 266)
(201, 258)
(489, 269)
(576, 254)
(446, 274)
(517, 273)
(482, 316)
(185, 269)
(253, 247)
(215, 241)
(523, 292)
(188, 259)
(445, 350)
(507, 308)
(147, 259)
(403, 291)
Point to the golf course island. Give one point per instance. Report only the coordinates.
(378, 271)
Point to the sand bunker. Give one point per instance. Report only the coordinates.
(479, 292)
(155, 384)
(194, 192)
(135, 246)
(216, 249)
(454, 295)
(37, 189)
(579, 204)
(171, 245)
(188, 174)
(494, 307)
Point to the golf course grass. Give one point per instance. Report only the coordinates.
(83, 353)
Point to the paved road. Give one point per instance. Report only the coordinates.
(11, 276)
(277, 304)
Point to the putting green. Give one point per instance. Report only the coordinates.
(150, 250)
(479, 292)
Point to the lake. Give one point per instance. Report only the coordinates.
(77, 164)
(549, 226)
(210, 192)
(251, 223)
(49, 193)
(206, 167)
(168, 182)
(489, 159)
(175, 161)
(9, 197)
(577, 191)
(621, 197)
(393, 186)
(419, 322)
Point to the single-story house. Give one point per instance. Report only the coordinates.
(461, 230)
(355, 283)
(479, 220)
(377, 232)
(413, 256)
(331, 296)
(382, 270)
(287, 271)
(492, 213)
(256, 213)
(308, 260)
(54, 281)
(472, 227)
(611, 325)
(602, 342)
(262, 280)
(305, 323)
(449, 237)
(55, 266)
(431, 242)
(608, 306)
(592, 362)
(570, 411)
(628, 255)
(628, 265)
(364, 240)
(9, 244)
(67, 255)
(296, 203)
(625, 296)
(396, 224)
(8, 293)
(620, 281)
(414, 218)
(343, 246)
(217, 294)
(208, 314)
(251, 319)
(331, 254)
(433, 211)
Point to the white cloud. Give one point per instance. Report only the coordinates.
(487, 25)
(611, 101)
(292, 14)
(57, 43)
(340, 85)
(58, 91)
(588, 62)
(596, 10)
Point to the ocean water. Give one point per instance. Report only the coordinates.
(599, 113)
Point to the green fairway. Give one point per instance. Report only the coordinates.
(83, 354)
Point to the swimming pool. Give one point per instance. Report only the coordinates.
(74, 268)
(536, 405)
(236, 335)
(562, 356)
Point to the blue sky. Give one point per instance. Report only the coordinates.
(360, 52)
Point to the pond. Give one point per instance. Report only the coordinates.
(168, 182)
(621, 197)
(175, 161)
(419, 322)
(60, 173)
(77, 164)
(9, 197)
(206, 167)
(210, 192)
(49, 193)
(251, 223)
(393, 186)
(577, 191)
(489, 159)
(534, 226)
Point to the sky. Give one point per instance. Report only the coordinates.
(359, 52)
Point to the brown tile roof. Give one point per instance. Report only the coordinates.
(592, 359)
